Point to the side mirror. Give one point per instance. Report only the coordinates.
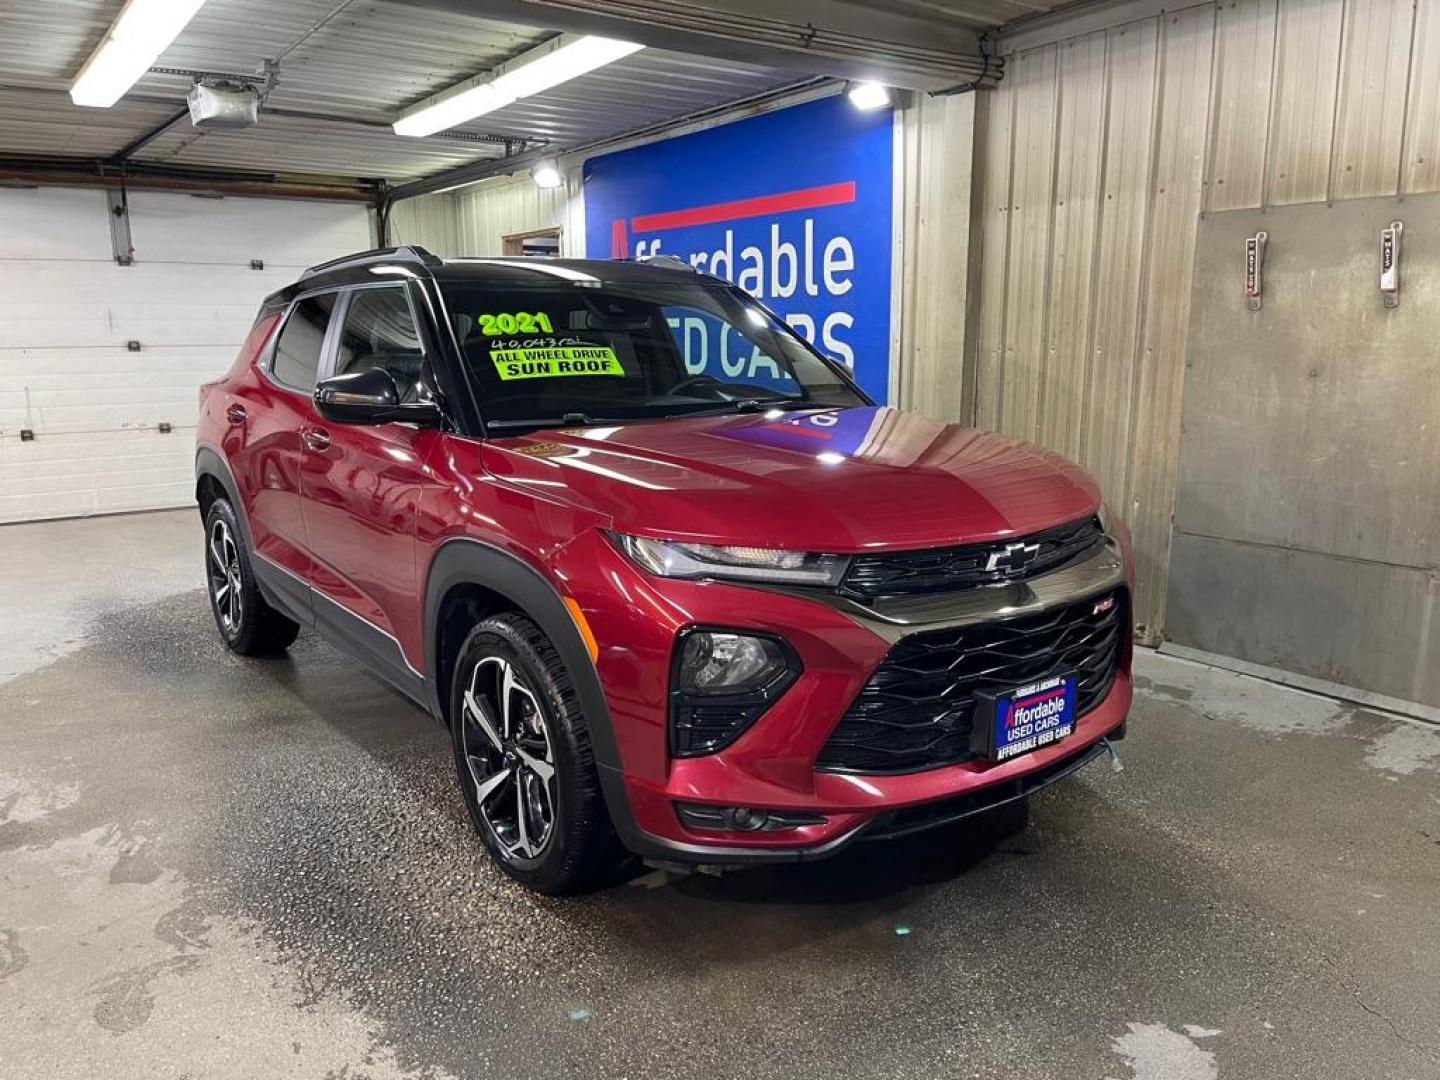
(369, 397)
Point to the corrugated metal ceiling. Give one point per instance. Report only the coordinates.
(357, 70)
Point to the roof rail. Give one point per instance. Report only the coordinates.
(674, 262)
(404, 253)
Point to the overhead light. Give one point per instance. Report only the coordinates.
(140, 33)
(453, 111)
(559, 60)
(546, 174)
(869, 95)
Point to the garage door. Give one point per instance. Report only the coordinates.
(100, 363)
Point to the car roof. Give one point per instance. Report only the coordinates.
(536, 269)
(498, 271)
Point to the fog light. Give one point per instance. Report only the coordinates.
(718, 663)
(721, 682)
(743, 818)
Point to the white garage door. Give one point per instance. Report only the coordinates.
(97, 358)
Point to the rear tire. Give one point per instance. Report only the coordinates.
(524, 762)
(247, 624)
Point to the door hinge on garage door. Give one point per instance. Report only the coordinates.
(120, 243)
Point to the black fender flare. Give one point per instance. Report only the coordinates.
(466, 561)
(210, 462)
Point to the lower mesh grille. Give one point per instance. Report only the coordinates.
(917, 710)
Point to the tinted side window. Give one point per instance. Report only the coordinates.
(297, 353)
(379, 332)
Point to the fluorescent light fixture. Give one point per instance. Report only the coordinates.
(453, 111)
(546, 174)
(869, 95)
(140, 33)
(559, 60)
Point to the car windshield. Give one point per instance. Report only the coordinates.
(573, 354)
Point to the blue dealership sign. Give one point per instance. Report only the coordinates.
(794, 206)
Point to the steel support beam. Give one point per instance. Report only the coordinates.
(84, 172)
(818, 37)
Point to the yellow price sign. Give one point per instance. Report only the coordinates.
(555, 362)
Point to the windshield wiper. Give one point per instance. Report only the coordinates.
(748, 405)
(571, 419)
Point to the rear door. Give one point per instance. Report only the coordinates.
(361, 486)
(268, 418)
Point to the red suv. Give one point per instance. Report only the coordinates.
(672, 581)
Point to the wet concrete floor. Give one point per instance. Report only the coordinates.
(213, 867)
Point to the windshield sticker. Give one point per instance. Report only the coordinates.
(555, 362)
(516, 322)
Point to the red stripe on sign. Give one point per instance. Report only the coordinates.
(804, 199)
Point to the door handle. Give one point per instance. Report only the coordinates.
(316, 439)
(235, 414)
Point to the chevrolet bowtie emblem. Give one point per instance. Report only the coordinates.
(1013, 557)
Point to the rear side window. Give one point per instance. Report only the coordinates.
(380, 332)
(297, 353)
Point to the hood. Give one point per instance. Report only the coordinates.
(839, 480)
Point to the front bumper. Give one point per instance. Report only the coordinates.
(772, 765)
(872, 807)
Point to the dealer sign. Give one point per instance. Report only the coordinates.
(794, 206)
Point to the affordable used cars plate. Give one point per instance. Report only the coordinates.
(1015, 722)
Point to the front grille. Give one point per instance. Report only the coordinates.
(918, 708)
(899, 573)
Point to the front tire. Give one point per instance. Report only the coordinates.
(524, 762)
(248, 625)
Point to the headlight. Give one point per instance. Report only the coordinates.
(721, 682)
(672, 558)
(719, 663)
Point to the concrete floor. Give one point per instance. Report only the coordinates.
(212, 867)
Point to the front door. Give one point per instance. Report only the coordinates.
(361, 487)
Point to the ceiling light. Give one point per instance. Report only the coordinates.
(559, 60)
(453, 111)
(546, 174)
(869, 95)
(140, 33)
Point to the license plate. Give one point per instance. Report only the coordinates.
(1015, 722)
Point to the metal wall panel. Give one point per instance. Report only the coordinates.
(937, 182)
(1070, 308)
(1370, 110)
(486, 214)
(995, 122)
(1302, 112)
(1132, 69)
(1420, 167)
(1313, 431)
(429, 221)
(1239, 125)
(1244, 602)
(475, 220)
(1032, 185)
(1241, 104)
(1187, 45)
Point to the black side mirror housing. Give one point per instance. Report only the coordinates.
(369, 397)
